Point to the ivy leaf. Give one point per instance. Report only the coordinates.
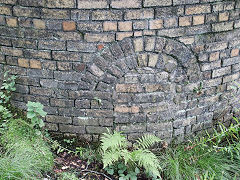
(30, 114)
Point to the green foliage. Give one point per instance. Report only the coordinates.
(8, 86)
(68, 176)
(115, 151)
(35, 112)
(25, 155)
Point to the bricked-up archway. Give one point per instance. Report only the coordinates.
(142, 86)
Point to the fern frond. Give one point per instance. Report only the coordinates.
(110, 157)
(147, 141)
(113, 141)
(148, 160)
(126, 155)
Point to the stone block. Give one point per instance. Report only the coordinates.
(125, 26)
(72, 129)
(58, 119)
(221, 71)
(81, 46)
(150, 3)
(156, 24)
(51, 45)
(139, 14)
(92, 4)
(224, 26)
(69, 26)
(197, 20)
(55, 14)
(119, 4)
(197, 9)
(60, 3)
(39, 24)
(90, 26)
(109, 26)
(107, 15)
(185, 21)
(5, 10)
(26, 11)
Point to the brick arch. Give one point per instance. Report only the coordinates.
(147, 105)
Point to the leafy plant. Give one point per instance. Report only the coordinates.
(8, 86)
(35, 112)
(115, 150)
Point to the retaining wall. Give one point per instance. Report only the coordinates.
(139, 66)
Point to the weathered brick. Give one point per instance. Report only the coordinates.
(152, 60)
(180, 2)
(169, 12)
(67, 76)
(51, 126)
(149, 43)
(125, 26)
(174, 32)
(12, 22)
(107, 15)
(64, 66)
(197, 20)
(138, 44)
(80, 15)
(52, 45)
(66, 56)
(61, 102)
(223, 16)
(69, 25)
(10, 60)
(139, 14)
(185, 21)
(187, 40)
(217, 46)
(198, 9)
(234, 52)
(11, 51)
(156, 24)
(212, 82)
(90, 26)
(26, 11)
(72, 129)
(93, 4)
(149, 3)
(118, 4)
(60, 3)
(55, 14)
(39, 3)
(92, 37)
(121, 35)
(210, 66)
(231, 77)
(58, 119)
(35, 64)
(8, 1)
(96, 129)
(170, 22)
(126, 109)
(128, 88)
(39, 24)
(160, 126)
(230, 61)
(141, 24)
(41, 91)
(109, 26)
(224, 26)
(30, 53)
(23, 62)
(214, 56)
(85, 121)
(221, 71)
(5, 10)
(81, 46)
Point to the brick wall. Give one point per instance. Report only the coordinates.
(135, 66)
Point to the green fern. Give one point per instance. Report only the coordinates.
(112, 141)
(148, 160)
(114, 150)
(147, 141)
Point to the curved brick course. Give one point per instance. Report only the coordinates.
(135, 66)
